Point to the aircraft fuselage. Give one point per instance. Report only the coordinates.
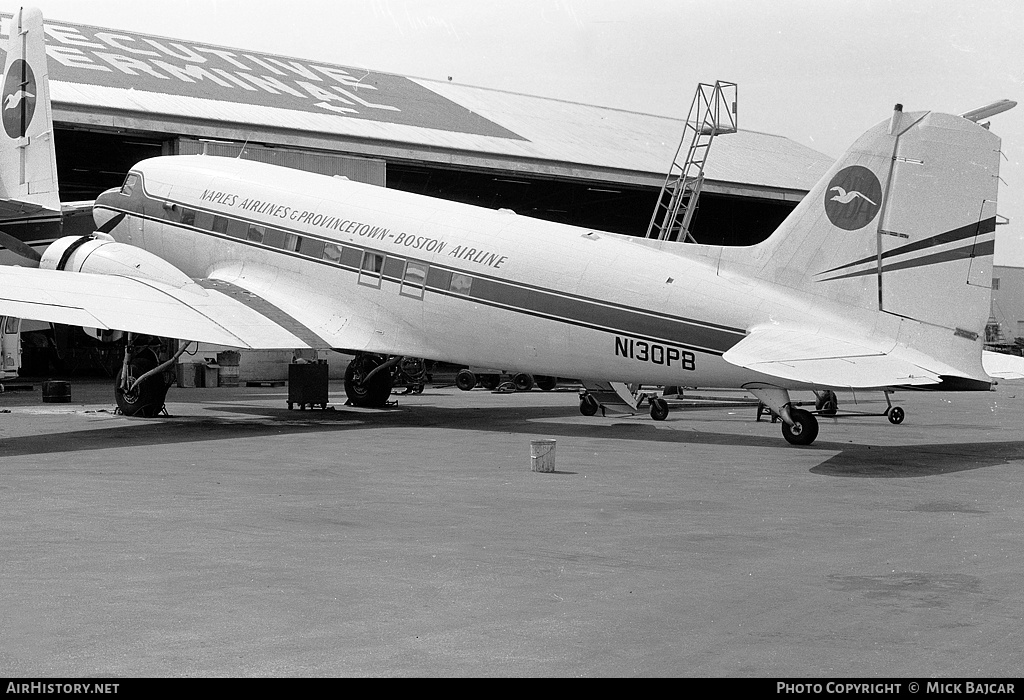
(403, 274)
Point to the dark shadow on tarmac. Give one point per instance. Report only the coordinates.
(907, 461)
(852, 460)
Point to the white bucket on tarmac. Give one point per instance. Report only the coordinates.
(542, 455)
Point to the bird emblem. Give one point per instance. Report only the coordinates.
(845, 197)
(15, 98)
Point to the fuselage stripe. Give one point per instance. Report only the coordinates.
(957, 234)
(974, 250)
(498, 293)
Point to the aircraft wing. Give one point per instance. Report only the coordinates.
(319, 323)
(1002, 366)
(813, 358)
(189, 312)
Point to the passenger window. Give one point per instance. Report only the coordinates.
(188, 216)
(274, 237)
(204, 220)
(237, 229)
(393, 267)
(369, 269)
(291, 242)
(311, 247)
(414, 279)
(332, 253)
(351, 257)
(461, 284)
(438, 278)
(220, 224)
(255, 233)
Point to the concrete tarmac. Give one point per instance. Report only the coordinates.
(236, 538)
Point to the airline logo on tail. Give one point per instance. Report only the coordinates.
(19, 99)
(853, 198)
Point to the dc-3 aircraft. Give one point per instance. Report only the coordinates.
(879, 279)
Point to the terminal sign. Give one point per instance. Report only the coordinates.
(83, 54)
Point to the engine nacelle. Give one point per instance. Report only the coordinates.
(102, 255)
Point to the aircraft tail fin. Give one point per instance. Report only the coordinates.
(28, 165)
(903, 224)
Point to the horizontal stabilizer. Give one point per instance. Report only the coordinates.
(1002, 366)
(812, 358)
(139, 306)
(990, 110)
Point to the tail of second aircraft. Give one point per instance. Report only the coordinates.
(903, 223)
(28, 166)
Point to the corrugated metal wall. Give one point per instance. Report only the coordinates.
(372, 171)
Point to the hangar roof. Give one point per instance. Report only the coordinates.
(124, 80)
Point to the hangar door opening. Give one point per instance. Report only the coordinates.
(89, 162)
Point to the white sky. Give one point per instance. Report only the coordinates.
(818, 71)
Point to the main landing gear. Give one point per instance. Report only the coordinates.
(804, 428)
(143, 380)
(800, 427)
(368, 380)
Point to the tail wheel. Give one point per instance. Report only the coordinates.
(896, 415)
(145, 399)
(367, 394)
(465, 380)
(804, 429)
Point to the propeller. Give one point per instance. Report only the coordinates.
(19, 247)
(26, 251)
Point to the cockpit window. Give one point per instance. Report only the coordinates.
(129, 184)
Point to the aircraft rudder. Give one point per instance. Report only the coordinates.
(28, 167)
(903, 226)
(902, 223)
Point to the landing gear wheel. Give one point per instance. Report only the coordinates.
(804, 430)
(465, 380)
(371, 394)
(828, 403)
(545, 383)
(145, 399)
(588, 405)
(896, 415)
(522, 382)
(490, 381)
(659, 409)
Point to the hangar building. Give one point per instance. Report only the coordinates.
(119, 97)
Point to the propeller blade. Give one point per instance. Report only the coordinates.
(19, 247)
(111, 223)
